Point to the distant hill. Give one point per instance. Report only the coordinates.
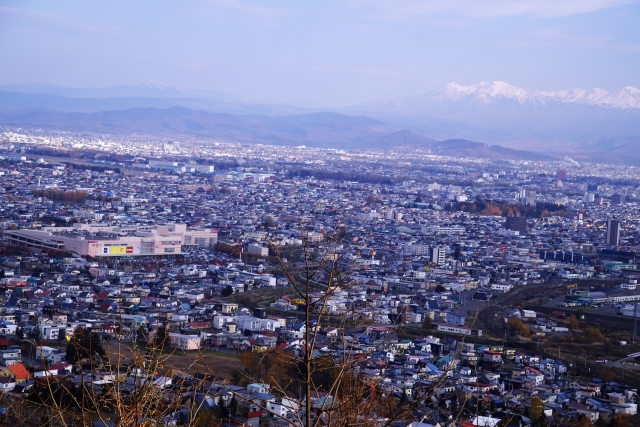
(591, 125)
(314, 129)
(404, 138)
(453, 147)
(14, 100)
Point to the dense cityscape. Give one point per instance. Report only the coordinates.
(250, 213)
(467, 291)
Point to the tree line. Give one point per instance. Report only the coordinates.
(63, 196)
(489, 207)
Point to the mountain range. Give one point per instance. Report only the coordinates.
(589, 125)
(490, 92)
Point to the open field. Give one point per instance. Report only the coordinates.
(256, 296)
(217, 363)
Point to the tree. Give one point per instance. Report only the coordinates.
(584, 421)
(440, 289)
(517, 325)
(36, 334)
(83, 344)
(20, 333)
(269, 222)
(36, 272)
(160, 336)
(228, 290)
(62, 333)
(624, 420)
(593, 335)
(142, 337)
(236, 377)
(608, 375)
(427, 323)
(2, 274)
(535, 409)
(573, 322)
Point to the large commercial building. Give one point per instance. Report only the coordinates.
(613, 232)
(101, 240)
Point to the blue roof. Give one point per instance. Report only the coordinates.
(264, 396)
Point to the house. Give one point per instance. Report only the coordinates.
(7, 328)
(61, 367)
(7, 384)
(17, 372)
(492, 356)
(50, 354)
(10, 356)
(454, 319)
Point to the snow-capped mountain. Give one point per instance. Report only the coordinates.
(488, 92)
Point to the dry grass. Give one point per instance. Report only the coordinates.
(215, 363)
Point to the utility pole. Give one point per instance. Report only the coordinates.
(635, 323)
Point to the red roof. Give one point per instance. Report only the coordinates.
(60, 365)
(199, 325)
(19, 371)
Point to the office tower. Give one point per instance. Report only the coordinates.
(517, 223)
(617, 199)
(561, 175)
(613, 232)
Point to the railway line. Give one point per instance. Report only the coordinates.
(488, 314)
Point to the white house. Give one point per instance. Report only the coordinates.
(49, 354)
(7, 328)
(185, 342)
(501, 287)
(10, 356)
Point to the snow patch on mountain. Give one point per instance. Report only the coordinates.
(488, 92)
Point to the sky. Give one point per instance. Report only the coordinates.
(322, 53)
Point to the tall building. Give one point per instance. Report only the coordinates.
(561, 175)
(613, 232)
(517, 223)
(438, 255)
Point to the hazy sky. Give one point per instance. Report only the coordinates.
(322, 52)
